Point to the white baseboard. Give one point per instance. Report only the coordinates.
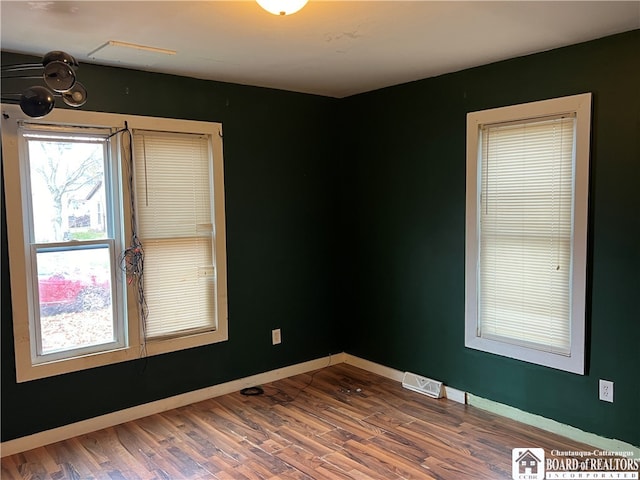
(104, 421)
(455, 394)
(373, 367)
(449, 392)
(611, 445)
(83, 427)
(602, 443)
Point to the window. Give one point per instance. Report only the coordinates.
(175, 205)
(527, 195)
(68, 179)
(73, 277)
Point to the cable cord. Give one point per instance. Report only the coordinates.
(132, 257)
(258, 390)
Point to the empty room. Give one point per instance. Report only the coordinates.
(297, 239)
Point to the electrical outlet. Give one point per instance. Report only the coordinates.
(606, 390)
(276, 338)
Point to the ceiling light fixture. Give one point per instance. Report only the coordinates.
(282, 7)
(59, 76)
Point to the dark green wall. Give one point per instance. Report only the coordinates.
(345, 227)
(408, 202)
(280, 187)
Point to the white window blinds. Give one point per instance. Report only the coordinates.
(173, 185)
(526, 205)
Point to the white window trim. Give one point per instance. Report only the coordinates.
(581, 106)
(18, 261)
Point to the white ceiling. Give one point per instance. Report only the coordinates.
(333, 48)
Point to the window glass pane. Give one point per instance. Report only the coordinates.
(67, 190)
(74, 289)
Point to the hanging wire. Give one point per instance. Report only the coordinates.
(132, 257)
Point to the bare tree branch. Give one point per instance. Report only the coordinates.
(61, 181)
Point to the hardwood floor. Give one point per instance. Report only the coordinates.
(340, 422)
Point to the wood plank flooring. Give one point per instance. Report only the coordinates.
(340, 422)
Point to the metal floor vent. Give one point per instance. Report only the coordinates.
(423, 385)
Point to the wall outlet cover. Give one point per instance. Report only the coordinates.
(606, 390)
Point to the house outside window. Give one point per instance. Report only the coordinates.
(526, 235)
(73, 181)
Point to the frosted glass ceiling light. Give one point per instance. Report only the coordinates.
(282, 7)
